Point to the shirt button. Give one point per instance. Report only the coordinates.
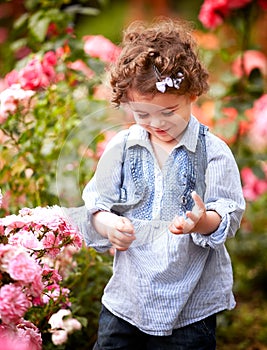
(183, 200)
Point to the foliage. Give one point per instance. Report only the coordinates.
(50, 94)
(237, 111)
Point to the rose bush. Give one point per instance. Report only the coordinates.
(30, 249)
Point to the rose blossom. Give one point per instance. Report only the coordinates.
(253, 187)
(7, 252)
(100, 47)
(80, 65)
(62, 325)
(24, 336)
(250, 60)
(212, 13)
(26, 239)
(23, 268)
(10, 97)
(12, 78)
(59, 336)
(32, 76)
(258, 131)
(29, 335)
(13, 303)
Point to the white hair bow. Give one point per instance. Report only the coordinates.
(171, 82)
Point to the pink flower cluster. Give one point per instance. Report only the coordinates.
(11, 97)
(38, 73)
(213, 13)
(31, 241)
(41, 230)
(25, 337)
(62, 324)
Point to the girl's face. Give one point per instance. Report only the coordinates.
(164, 116)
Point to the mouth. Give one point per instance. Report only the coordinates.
(161, 132)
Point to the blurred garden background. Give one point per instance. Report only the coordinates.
(55, 118)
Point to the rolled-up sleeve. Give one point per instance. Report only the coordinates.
(223, 194)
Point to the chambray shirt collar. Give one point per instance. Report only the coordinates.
(139, 136)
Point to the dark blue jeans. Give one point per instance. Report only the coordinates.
(115, 333)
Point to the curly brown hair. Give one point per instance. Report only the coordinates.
(165, 44)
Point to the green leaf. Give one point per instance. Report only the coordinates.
(21, 21)
(38, 25)
(74, 9)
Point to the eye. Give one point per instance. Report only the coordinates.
(168, 113)
(141, 115)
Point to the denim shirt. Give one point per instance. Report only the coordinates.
(166, 281)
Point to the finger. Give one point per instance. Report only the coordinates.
(177, 225)
(124, 225)
(199, 204)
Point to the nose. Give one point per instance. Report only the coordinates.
(157, 123)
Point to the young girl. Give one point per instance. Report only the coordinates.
(166, 195)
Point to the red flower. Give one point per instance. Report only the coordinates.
(213, 13)
(263, 4)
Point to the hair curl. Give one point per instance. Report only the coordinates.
(166, 44)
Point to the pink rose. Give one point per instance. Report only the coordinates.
(62, 324)
(26, 239)
(25, 336)
(48, 63)
(23, 268)
(29, 335)
(258, 131)
(12, 78)
(100, 47)
(250, 60)
(36, 288)
(79, 65)
(13, 303)
(253, 187)
(10, 97)
(50, 58)
(7, 252)
(32, 76)
(59, 336)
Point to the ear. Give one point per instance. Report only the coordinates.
(193, 98)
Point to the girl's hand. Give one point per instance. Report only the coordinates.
(117, 229)
(181, 225)
(122, 234)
